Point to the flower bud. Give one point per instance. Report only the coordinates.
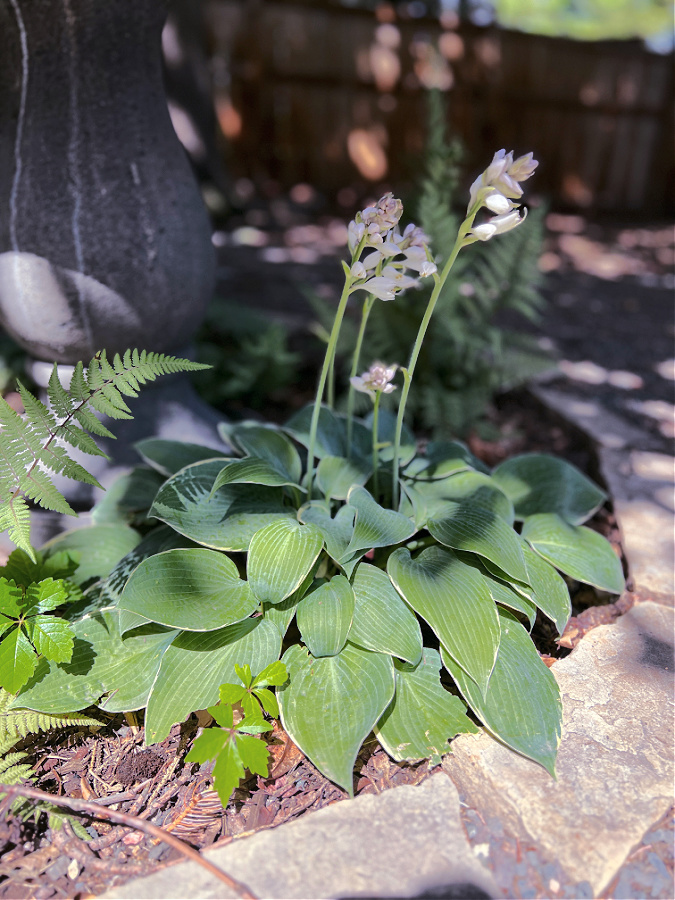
(523, 167)
(358, 270)
(498, 203)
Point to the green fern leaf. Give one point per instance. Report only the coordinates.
(38, 444)
(12, 770)
(16, 724)
(79, 388)
(15, 519)
(62, 402)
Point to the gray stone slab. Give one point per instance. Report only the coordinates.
(642, 488)
(615, 764)
(396, 844)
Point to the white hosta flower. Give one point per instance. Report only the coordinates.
(428, 268)
(358, 270)
(399, 277)
(379, 286)
(355, 232)
(497, 203)
(413, 236)
(523, 167)
(501, 181)
(498, 225)
(377, 378)
(500, 163)
(416, 259)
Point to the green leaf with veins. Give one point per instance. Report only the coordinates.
(28, 633)
(233, 748)
(253, 693)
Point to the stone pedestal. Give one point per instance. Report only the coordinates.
(104, 240)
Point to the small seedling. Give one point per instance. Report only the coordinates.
(233, 746)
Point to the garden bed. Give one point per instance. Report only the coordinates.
(112, 768)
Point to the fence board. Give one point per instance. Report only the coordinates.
(597, 115)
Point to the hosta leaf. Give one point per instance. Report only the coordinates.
(386, 432)
(413, 504)
(331, 435)
(472, 488)
(280, 557)
(443, 458)
(481, 531)
(374, 525)
(267, 443)
(157, 541)
(17, 660)
(522, 705)
(251, 471)
(502, 592)
(575, 550)
(324, 616)
(423, 716)
(128, 497)
(197, 663)
(51, 637)
(549, 591)
(100, 548)
(194, 590)
(101, 663)
(537, 483)
(282, 613)
(382, 621)
(330, 705)
(168, 457)
(454, 599)
(337, 532)
(225, 521)
(335, 475)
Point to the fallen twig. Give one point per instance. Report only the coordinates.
(101, 812)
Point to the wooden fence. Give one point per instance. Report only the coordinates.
(320, 93)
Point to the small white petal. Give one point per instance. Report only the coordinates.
(358, 270)
(427, 269)
(483, 232)
(498, 203)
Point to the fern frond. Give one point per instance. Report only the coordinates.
(12, 770)
(63, 403)
(36, 445)
(16, 724)
(15, 520)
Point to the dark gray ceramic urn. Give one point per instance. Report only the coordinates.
(104, 240)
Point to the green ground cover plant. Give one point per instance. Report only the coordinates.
(396, 583)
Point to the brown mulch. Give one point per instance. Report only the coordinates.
(155, 784)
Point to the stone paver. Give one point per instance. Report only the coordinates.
(615, 764)
(398, 844)
(641, 484)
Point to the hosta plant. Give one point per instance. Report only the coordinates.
(397, 583)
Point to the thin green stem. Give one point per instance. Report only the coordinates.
(367, 306)
(440, 280)
(327, 363)
(376, 444)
